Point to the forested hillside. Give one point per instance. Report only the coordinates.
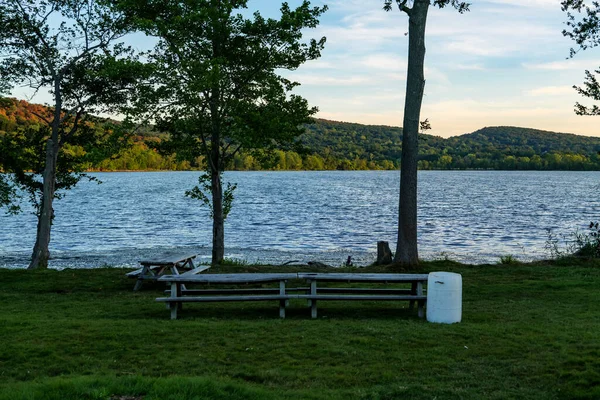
(502, 147)
(331, 145)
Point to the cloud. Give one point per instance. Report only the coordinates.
(548, 4)
(469, 67)
(550, 91)
(386, 61)
(564, 65)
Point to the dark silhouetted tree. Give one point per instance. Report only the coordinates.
(70, 48)
(218, 88)
(406, 249)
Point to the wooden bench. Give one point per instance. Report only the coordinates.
(176, 264)
(179, 294)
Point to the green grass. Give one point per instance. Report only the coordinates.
(528, 331)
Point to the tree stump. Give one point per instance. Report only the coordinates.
(384, 254)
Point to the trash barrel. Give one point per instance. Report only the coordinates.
(444, 297)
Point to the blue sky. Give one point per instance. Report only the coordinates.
(502, 63)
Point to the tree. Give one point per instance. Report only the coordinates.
(406, 248)
(70, 48)
(586, 33)
(218, 90)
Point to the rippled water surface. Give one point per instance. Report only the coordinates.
(469, 216)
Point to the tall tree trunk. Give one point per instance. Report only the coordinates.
(218, 245)
(406, 249)
(41, 252)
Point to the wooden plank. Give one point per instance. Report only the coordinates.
(421, 305)
(200, 299)
(413, 291)
(137, 272)
(344, 297)
(358, 277)
(229, 278)
(364, 290)
(238, 291)
(291, 290)
(141, 277)
(313, 301)
(169, 259)
(134, 274)
(196, 270)
(174, 305)
(282, 302)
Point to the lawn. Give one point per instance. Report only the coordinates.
(528, 331)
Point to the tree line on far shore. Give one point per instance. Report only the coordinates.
(332, 145)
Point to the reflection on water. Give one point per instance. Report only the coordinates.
(469, 216)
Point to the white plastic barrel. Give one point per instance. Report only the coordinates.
(444, 297)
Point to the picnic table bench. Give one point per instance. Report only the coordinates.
(179, 294)
(176, 264)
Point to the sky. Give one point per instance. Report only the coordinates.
(503, 63)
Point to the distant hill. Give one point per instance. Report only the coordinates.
(344, 145)
(527, 140)
(15, 113)
(501, 147)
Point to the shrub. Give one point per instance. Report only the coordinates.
(578, 244)
(587, 244)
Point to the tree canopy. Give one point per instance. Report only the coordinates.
(218, 88)
(72, 49)
(583, 21)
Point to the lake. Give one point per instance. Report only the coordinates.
(467, 216)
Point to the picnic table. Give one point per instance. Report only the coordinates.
(174, 264)
(414, 294)
(180, 294)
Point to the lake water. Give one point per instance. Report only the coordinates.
(468, 216)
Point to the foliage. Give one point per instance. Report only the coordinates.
(202, 192)
(63, 335)
(552, 245)
(331, 145)
(508, 260)
(70, 49)
(235, 262)
(587, 244)
(252, 108)
(403, 5)
(23, 156)
(585, 31)
(578, 244)
(78, 60)
(348, 146)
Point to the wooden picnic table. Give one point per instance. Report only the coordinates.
(180, 294)
(175, 264)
